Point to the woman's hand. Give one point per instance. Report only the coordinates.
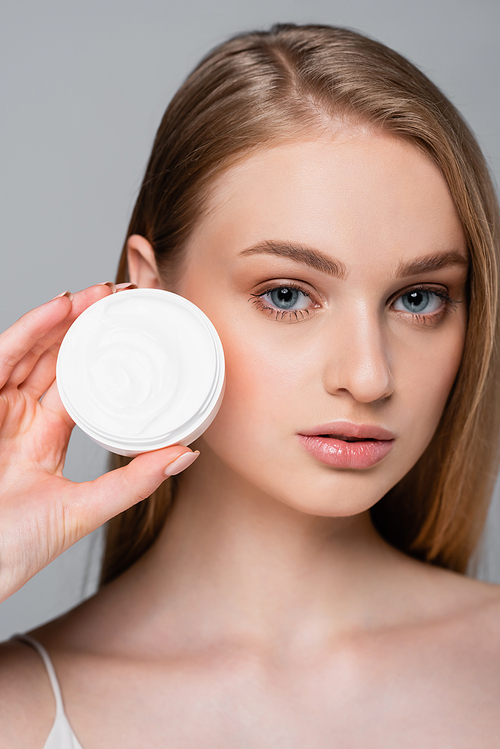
(41, 512)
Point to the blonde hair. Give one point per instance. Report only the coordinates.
(262, 88)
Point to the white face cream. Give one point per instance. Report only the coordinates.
(140, 370)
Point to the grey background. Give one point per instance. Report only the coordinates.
(83, 86)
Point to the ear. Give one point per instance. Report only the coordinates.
(141, 259)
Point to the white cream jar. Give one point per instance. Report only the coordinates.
(140, 370)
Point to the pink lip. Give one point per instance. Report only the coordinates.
(373, 443)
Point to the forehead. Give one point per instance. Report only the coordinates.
(354, 193)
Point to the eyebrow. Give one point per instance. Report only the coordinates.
(431, 262)
(301, 254)
(315, 259)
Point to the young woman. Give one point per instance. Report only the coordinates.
(301, 583)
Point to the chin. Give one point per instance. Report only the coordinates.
(344, 496)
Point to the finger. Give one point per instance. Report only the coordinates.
(27, 333)
(86, 297)
(41, 376)
(52, 402)
(80, 301)
(125, 286)
(118, 490)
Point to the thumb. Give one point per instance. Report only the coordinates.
(118, 490)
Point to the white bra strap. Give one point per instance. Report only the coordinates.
(50, 669)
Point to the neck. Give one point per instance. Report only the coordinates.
(233, 560)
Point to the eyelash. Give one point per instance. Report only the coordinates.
(432, 317)
(295, 315)
(302, 314)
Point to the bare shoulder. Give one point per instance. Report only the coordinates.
(466, 653)
(27, 705)
(475, 602)
(478, 617)
(463, 611)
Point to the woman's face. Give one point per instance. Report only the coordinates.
(334, 271)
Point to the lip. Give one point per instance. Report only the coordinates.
(372, 444)
(351, 430)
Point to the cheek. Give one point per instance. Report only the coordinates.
(263, 384)
(426, 380)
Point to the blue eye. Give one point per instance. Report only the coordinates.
(285, 302)
(419, 301)
(285, 297)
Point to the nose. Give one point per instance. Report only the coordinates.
(358, 359)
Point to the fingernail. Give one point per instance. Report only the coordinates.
(64, 293)
(109, 284)
(125, 286)
(181, 463)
